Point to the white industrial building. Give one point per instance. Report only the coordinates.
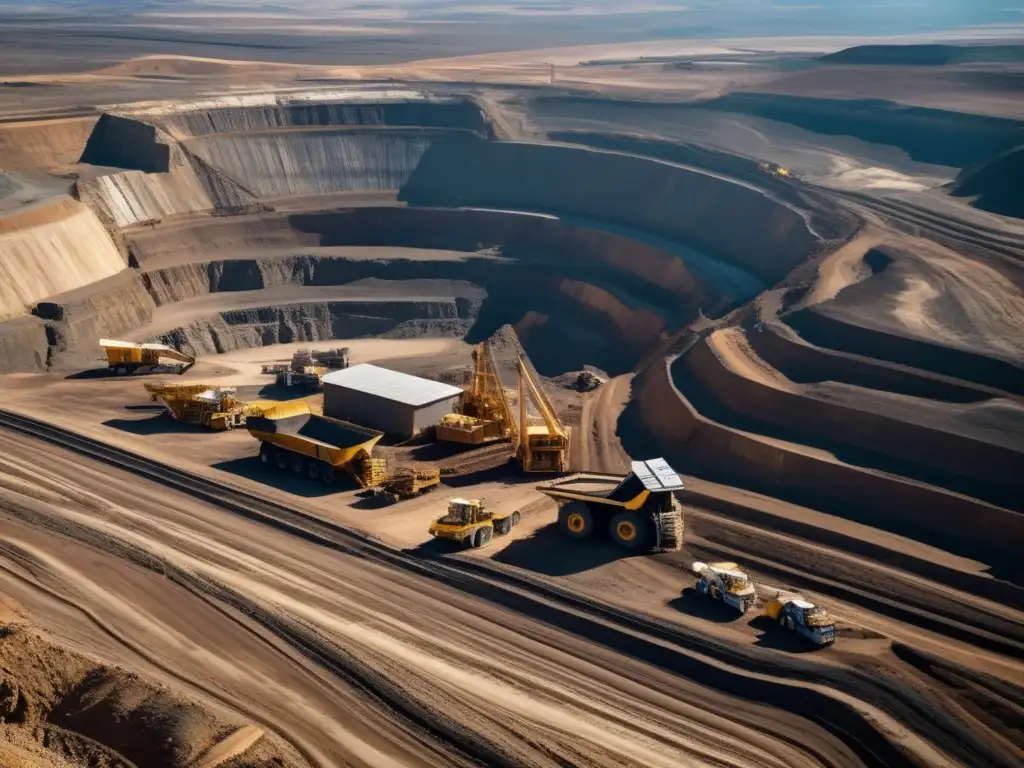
(396, 403)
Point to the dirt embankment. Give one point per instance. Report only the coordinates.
(927, 307)
(769, 466)
(62, 709)
(995, 185)
(44, 143)
(908, 437)
(657, 197)
(56, 246)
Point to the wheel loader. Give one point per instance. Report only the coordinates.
(638, 511)
(803, 617)
(470, 523)
(726, 583)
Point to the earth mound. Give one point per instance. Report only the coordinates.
(60, 709)
(996, 185)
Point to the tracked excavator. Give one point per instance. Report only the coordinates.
(217, 408)
(543, 447)
(128, 357)
(485, 415)
(638, 511)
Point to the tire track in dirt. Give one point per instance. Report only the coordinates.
(752, 676)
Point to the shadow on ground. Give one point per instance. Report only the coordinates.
(693, 603)
(548, 552)
(250, 468)
(160, 424)
(779, 639)
(274, 392)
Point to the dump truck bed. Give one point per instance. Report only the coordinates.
(332, 440)
(593, 484)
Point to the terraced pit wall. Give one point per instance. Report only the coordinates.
(449, 113)
(950, 460)
(737, 223)
(946, 520)
(242, 329)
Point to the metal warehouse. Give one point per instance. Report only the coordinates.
(392, 402)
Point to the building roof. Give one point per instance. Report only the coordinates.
(391, 385)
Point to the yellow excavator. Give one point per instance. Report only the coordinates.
(215, 407)
(128, 357)
(485, 415)
(540, 447)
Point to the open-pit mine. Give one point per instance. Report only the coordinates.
(811, 308)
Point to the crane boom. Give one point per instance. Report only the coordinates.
(547, 413)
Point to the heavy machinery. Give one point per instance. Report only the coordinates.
(408, 482)
(727, 583)
(544, 447)
(639, 511)
(470, 523)
(485, 415)
(215, 407)
(293, 437)
(128, 357)
(803, 617)
(307, 368)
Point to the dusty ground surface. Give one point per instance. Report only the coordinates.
(831, 357)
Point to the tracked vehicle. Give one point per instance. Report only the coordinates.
(638, 511)
(470, 523)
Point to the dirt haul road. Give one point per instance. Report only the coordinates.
(355, 654)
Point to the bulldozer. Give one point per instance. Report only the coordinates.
(639, 511)
(470, 523)
(217, 408)
(726, 583)
(128, 357)
(485, 415)
(803, 617)
(543, 447)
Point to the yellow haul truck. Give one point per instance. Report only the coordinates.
(217, 408)
(292, 437)
(470, 523)
(128, 357)
(803, 617)
(639, 511)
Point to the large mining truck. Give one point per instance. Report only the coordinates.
(294, 438)
(639, 511)
(803, 617)
(216, 408)
(128, 357)
(470, 523)
(726, 583)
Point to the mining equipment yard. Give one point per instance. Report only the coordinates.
(795, 277)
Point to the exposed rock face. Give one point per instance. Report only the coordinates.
(241, 329)
(303, 163)
(454, 113)
(125, 143)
